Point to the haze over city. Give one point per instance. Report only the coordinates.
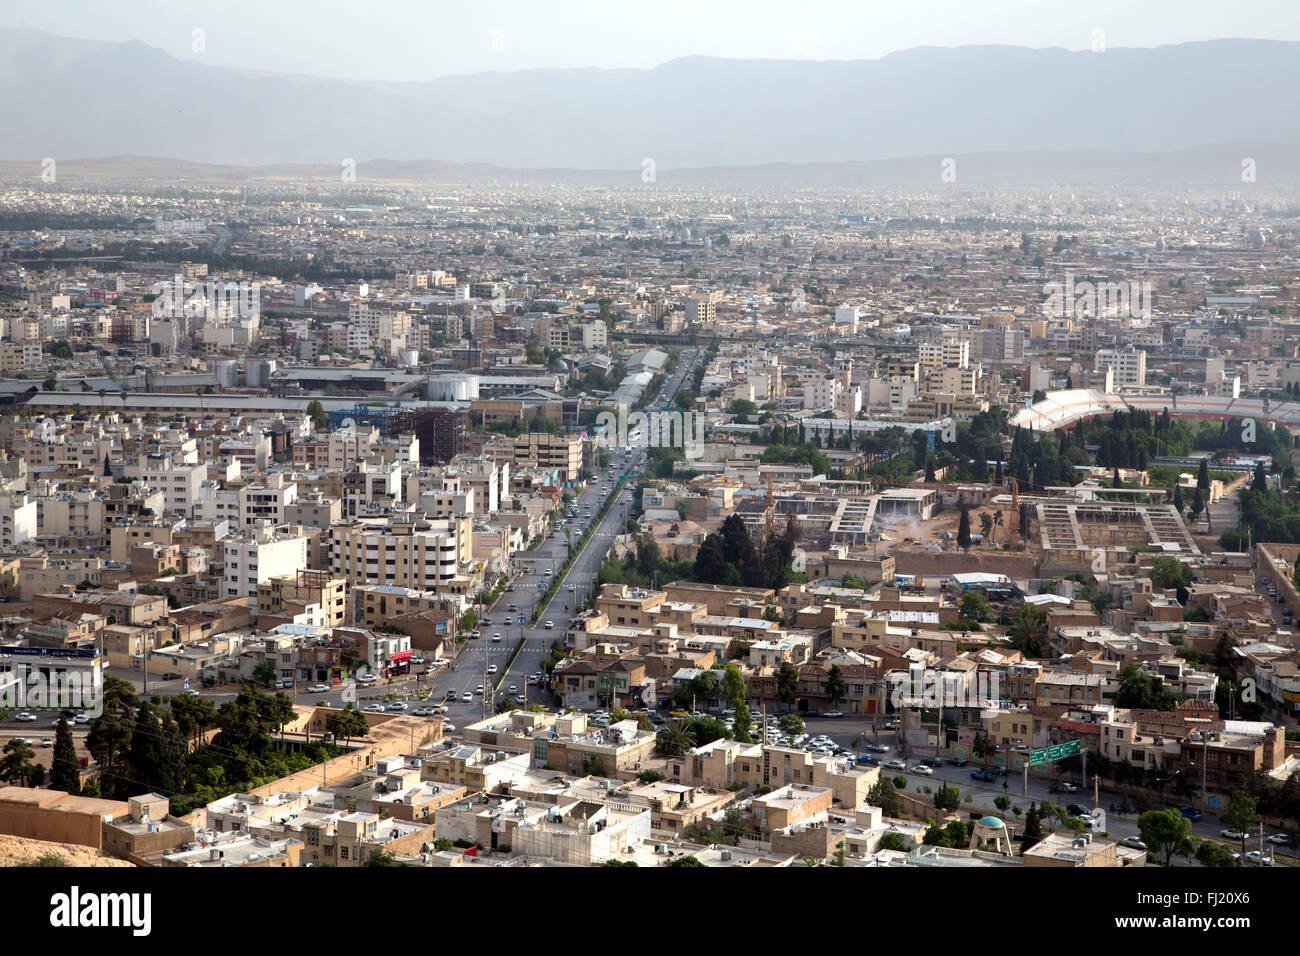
(513, 436)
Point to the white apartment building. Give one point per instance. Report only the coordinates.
(259, 555)
(819, 394)
(266, 500)
(1128, 364)
(949, 353)
(179, 482)
(420, 553)
(18, 518)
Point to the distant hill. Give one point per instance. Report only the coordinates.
(68, 98)
(1276, 162)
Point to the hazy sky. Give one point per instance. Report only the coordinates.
(424, 39)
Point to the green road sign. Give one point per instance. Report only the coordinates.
(1054, 753)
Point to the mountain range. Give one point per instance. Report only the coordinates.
(1197, 104)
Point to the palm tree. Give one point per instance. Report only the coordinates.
(675, 739)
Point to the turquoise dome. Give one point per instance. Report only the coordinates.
(991, 822)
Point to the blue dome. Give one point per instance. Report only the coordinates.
(991, 822)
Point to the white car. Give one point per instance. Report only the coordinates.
(1279, 839)
(550, 626)
(397, 705)
(467, 697)
(367, 679)
(1259, 859)
(923, 770)
(492, 669)
(374, 708)
(23, 717)
(318, 689)
(448, 728)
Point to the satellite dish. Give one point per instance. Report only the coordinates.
(348, 423)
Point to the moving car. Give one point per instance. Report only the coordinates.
(833, 713)
(367, 679)
(923, 770)
(1134, 843)
(984, 773)
(1232, 834)
(23, 717)
(550, 626)
(894, 765)
(957, 761)
(318, 689)
(1191, 813)
(397, 705)
(374, 708)
(467, 697)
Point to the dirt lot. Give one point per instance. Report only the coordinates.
(14, 851)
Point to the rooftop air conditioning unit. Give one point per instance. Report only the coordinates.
(661, 849)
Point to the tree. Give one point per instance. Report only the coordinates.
(1033, 833)
(1260, 480)
(947, 798)
(884, 795)
(1212, 854)
(347, 723)
(108, 466)
(316, 412)
(741, 724)
(836, 687)
(1167, 832)
(674, 740)
(65, 772)
(963, 529)
(974, 607)
(1144, 691)
(787, 682)
(1169, 572)
(1241, 813)
(686, 861)
(264, 673)
(382, 857)
(1203, 475)
(791, 725)
(18, 764)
